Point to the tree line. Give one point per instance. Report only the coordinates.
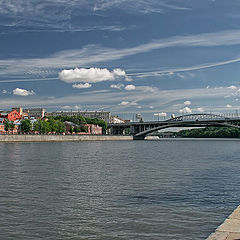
(210, 132)
(56, 124)
(80, 120)
(42, 126)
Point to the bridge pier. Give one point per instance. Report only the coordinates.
(138, 137)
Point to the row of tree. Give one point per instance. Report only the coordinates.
(79, 120)
(8, 126)
(77, 129)
(210, 132)
(56, 124)
(42, 126)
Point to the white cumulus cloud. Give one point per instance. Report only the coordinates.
(117, 86)
(127, 103)
(228, 106)
(185, 110)
(22, 92)
(90, 75)
(200, 109)
(130, 87)
(124, 103)
(232, 87)
(80, 85)
(187, 103)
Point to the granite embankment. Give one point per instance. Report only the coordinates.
(230, 229)
(61, 138)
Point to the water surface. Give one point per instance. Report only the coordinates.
(177, 189)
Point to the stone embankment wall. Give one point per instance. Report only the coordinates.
(61, 138)
(230, 229)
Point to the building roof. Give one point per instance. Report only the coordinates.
(71, 124)
(4, 114)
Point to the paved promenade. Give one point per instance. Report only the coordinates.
(230, 229)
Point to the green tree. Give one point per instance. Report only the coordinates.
(36, 126)
(71, 130)
(60, 127)
(45, 127)
(211, 132)
(6, 125)
(76, 129)
(11, 126)
(52, 125)
(26, 125)
(83, 128)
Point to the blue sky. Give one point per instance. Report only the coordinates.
(122, 56)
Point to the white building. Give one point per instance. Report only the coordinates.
(88, 114)
(35, 112)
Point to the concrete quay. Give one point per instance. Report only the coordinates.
(230, 229)
(61, 138)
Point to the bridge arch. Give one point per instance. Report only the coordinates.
(143, 134)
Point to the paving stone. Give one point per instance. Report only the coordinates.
(235, 214)
(218, 236)
(233, 236)
(230, 225)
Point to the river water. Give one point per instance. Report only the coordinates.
(146, 190)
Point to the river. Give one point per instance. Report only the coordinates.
(117, 190)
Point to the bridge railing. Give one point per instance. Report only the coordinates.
(198, 117)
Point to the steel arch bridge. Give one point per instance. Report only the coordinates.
(139, 130)
(198, 117)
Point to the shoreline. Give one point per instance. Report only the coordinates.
(61, 138)
(77, 138)
(229, 229)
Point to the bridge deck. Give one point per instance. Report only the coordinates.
(141, 129)
(230, 229)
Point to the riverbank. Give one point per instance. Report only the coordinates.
(61, 138)
(230, 229)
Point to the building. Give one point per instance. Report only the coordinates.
(18, 109)
(70, 125)
(35, 112)
(2, 128)
(11, 116)
(11, 131)
(87, 114)
(2, 125)
(91, 128)
(116, 119)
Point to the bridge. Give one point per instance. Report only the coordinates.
(139, 130)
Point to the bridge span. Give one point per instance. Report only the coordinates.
(139, 130)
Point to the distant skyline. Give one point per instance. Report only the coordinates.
(122, 56)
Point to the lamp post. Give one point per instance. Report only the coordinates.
(158, 115)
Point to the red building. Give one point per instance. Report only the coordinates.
(11, 116)
(2, 128)
(91, 128)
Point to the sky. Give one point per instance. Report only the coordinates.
(151, 57)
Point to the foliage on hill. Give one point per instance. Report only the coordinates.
(82, 120)
(8, 126)
(211, 132)
(49, 126)
(26, 125)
